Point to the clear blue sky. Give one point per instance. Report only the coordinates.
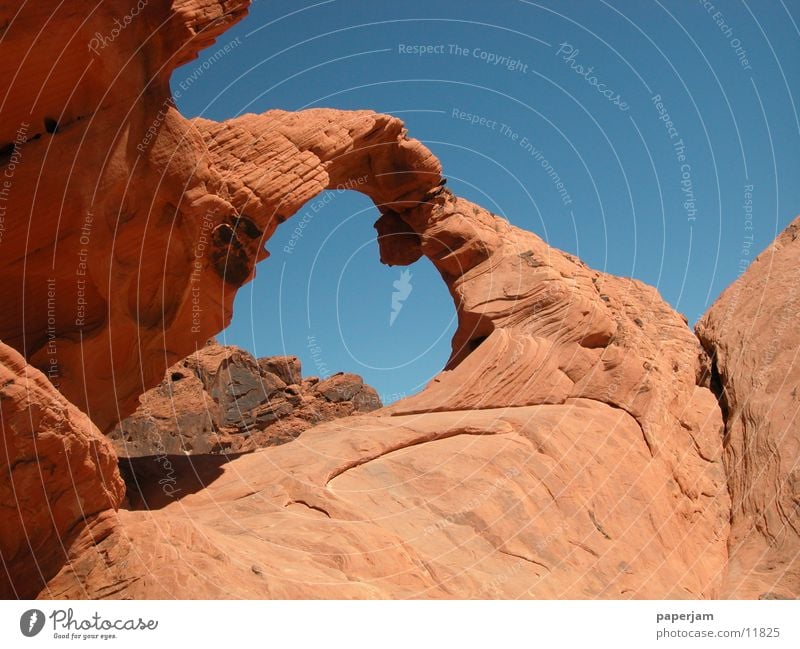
(728, 75)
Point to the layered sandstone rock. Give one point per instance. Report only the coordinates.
(484, 503)
(223, 400)
(569, 451)
(57, 472)
(751, 333)
(161, 264)
(571, 447)
(104, 197)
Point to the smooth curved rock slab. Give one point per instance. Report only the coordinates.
(535, 502)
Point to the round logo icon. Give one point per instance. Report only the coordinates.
(31, 622)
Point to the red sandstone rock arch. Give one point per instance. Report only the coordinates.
(113, 194)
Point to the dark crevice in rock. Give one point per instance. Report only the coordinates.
(473, 344)
(393, 449)
(646, 436)
(522, 558)
(51, 125)
(597, 525)
(585, 548)
(717, 387)
(311, 507)
(714, 381)
(245, 225)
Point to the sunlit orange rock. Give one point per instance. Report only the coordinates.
(57, 472)
(572, 447)
(751, 333)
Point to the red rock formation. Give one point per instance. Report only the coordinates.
(222, 400)
(751, 333)
(571, 453)
(107, 187)
(483, 503)
(56, 473)
(569, 449)
(163, 265)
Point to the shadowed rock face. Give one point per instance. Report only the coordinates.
(571, 447)
(751, 333)
(222, 400)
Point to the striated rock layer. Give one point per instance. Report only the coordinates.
(572, 452)
(751, 334)
(482, 503)
(105, 192)
(222, 400)
(570, 448)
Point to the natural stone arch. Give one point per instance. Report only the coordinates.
(553, 344)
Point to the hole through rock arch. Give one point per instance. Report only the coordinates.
(324, 295)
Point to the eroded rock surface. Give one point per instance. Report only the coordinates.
(103, 220)
(569, 451)
(751, 332)
(482, 503)
(571, 447)
(223, 400)
(57, 471)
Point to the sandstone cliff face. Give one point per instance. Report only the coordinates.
(222, 400)
(751, 333)
(57, 472)
(570, 448)
(104, 201)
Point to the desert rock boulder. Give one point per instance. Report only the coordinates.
(223, 400)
